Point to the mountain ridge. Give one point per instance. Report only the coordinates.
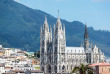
(20, 28)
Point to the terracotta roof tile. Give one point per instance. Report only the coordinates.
(103, 63)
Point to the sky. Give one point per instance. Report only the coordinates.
(95, 13)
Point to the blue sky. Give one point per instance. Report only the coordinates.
(95, 13)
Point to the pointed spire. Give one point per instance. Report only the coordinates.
(50, 33)
(86, 32)
(86, 39)
(64, 30)
(45, 20)
(54, 28)
(63, 27)
(45, 26)
(58, 20)
(58, 24)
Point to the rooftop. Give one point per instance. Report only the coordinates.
(99, 64)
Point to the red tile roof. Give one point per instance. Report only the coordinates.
(95, 64)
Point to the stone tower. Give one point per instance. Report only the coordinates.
(59, 46)
(86, 39)
(45, 47)
(86, 46)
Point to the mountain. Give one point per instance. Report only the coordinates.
(20, 28)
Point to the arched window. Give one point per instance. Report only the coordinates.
(49, 68)
(63, 68)
(42, 68)
(55, 69)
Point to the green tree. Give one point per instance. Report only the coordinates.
(37, 54)
(82, 69)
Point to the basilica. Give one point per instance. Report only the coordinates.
(56, 57)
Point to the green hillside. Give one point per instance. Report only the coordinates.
(20, 28)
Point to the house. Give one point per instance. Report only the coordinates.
(7, 51)
(2, 70)
(101, 68)
(21, 53)
(30, 54)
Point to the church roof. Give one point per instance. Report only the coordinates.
(74, 50)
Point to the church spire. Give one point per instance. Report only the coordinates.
(58, 24)
(86, 32)
(64, 30)
(45, 26)
(50, 33)
(45, 20)
(86, 39)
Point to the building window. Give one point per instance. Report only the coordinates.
(67, 67)
(102, 69)
(109, 69)
(71, 67)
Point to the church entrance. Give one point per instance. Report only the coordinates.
(63, 68)
(49, 69)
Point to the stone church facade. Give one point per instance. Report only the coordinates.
(55, 57)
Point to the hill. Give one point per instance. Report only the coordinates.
(20, 28)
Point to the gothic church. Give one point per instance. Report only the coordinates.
(55, 57)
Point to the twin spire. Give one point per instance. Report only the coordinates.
(58, 23)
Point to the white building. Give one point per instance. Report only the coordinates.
(7, 51)
(2, 70)
(55, 57)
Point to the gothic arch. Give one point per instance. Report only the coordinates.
(63, 68)
(42, 68)
(55, 69)
(49, 68)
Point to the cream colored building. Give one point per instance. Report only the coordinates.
(7, 52)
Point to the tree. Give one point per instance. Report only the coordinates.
(82, 69)
(37, 54)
